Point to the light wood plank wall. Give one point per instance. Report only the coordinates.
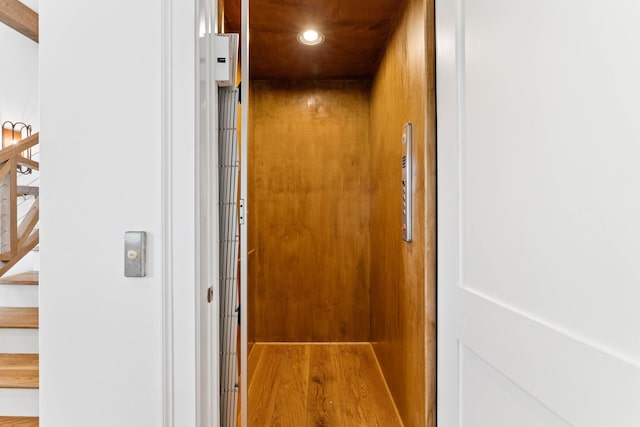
(309, 190)
(403, 274)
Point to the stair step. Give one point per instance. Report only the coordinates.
(19, 317)
(27, 278)
(19, 422)
(19, 371)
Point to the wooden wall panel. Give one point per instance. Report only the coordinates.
(402, 284)
(355, 36)
(309, 192)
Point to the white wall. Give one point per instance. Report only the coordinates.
(19, 77)
(101, 338)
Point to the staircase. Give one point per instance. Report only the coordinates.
(19, 359)
(19, 373)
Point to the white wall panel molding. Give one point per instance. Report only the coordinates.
(168, 403)
(555, 362)
(179, 88)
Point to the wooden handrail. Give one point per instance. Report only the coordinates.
(19, 17)
(16, 239)
(19, 147)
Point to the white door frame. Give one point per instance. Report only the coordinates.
(207, 223)
(182, 263)
(190, 218)
(244, 148)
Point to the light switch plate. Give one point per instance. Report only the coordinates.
(135, 256)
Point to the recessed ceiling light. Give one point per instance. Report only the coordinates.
(310, 37)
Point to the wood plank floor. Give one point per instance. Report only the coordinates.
(318, 385)
(19, 422)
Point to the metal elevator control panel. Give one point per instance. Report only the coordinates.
(407, 182)
(135, 257)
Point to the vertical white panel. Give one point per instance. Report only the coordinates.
(537, 231)
(449, 312)
(207, 225)
(180, 221)
(244, 337)
(549, 158)
(119, 131)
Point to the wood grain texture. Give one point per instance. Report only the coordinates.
(324, 406)
(28, 222)
(353, 391)
(222, 13)
(19, 371)
(19, 422)
(431, 283)
(292, 395)
(320, 385)
(309, 211)
(355, 35)
(377, 390)
(30, 242)
(26, 278)
(19, 17)
(28, 163)
(265, 382)
(18, 317)
(402, 284)
(255, 354)
(16, 150)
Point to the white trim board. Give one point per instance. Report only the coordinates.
(244, 147)
(179, 84)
